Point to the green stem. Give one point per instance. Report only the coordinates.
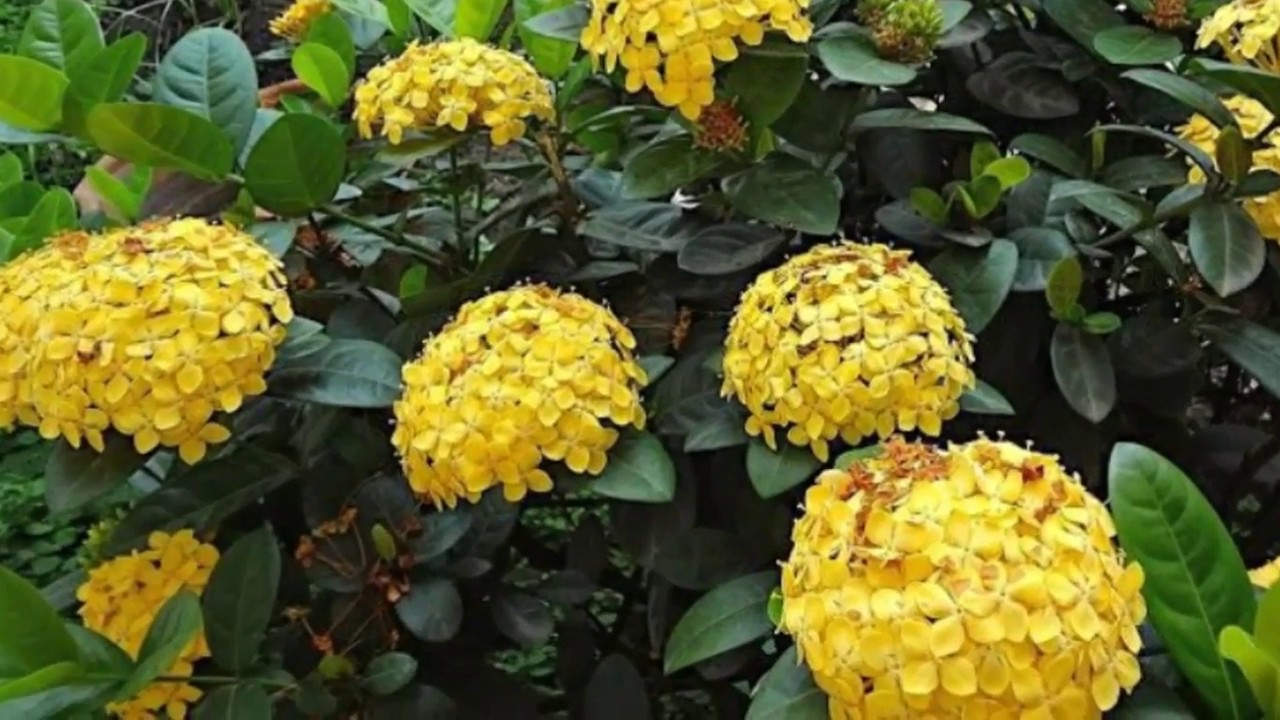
(198, 679)
(455, 194)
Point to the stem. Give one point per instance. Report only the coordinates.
(390, 236)
(455, 195)
(202, 679)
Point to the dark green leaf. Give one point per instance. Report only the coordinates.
(766, 79)
(665, 165)
(1196, 583)
(161, 136)
(1018, 84)
(639, 470)
(853, 59)
(343, 373)
(1135, 45)
(297, 165)
(1083, 370)
(979, 279)
(64, 34)
(239, 601)
(562, 24)
(388, 673)
(701, 558)
(1151, 700)
(729, 248)
(773, 473)
(523, 618)
(1142, 172)
(724, 430)
(655, 227)
(1049, 151)
(1186, 91)
(847, 459)
(33, 636)
(211, 73)
(74, 477)
(441, 530)
(787, 692)
(1039, 251)
(31, 93)
(616, 691)
(242, 701)
(728, 617)
(985, 400)
(550, 56)
(1195, 154)
(1251, 346)
(322, 70)
(177, 622)
(917, 120)
(1226, 246)
(1082, 19)
(785, 190)
(817, 119)
(1261, 85)
(432, 610)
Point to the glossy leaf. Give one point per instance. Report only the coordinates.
(917, 120)
(31, 93)
(787, 692)
(550, 56)
(639, 470)
(1062, 287)
(77, 476)
(985, 400)
(979, 280)
(389, 672)
(161, 136)
(1084, 372)
(477, 18)
(729, 248)
(239, 601)
(176, 623)
(1226, 246)
(1136, 45)
(564, 23)
(1259, 667)
(775, 472)
(1039, 252)
(211, 73)
(63, 34)
(242, 701)
(33, 636)
(787, 191)
(343, 373)
(664, 166)
(766, 79)
(1050, 151)
(1251, 346)
(1186, 91)
(725, 618)
(324, 71)
(297, 165)
(854, 59)
(432, 610)
(1083, 19)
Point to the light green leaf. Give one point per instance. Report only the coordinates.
(31, 93)
(639, 470)
(550, 56)
(211, 73)
(104, 79)
(161, 136)
(297, 165)
(46, 678)
(477, 18)
(775, 472)
(1257, 665)
(63, 34)
(1063, 287)
(33, 636)
(332, 31)
(1010, 171)
(322, 70)
(728, 617)
(439, 14)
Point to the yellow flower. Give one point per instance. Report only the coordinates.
(147, 330)
(1246, 30)
(977, 581)
(452, 84)
(520, 377)
(1265, 576)
(121, 598)
(297, 18)
(670, 46)
(1253, 118)
(846, 341)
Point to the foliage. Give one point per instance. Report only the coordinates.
(566, 343)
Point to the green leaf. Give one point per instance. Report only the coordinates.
(1051, 152)
(1251, 346)
(1062, 289)
(177, 622)
(297, 165)
(1083, 370)
(19, 199)
(1135, 45)
(1259, 84)
(1186, 91)
(1196, 584)
(1226, 246)
(1142, 172)
(31, 93)
(564, 23)
(105, 78)
(75, 477)
(650, 226)
(1233, 155)
(1083, 19)
(432, 610)
(787, 692)
(787, 191)
(700, 558)
(34, 636)
(478, 18)
(332, 31)
(242, 701)
(1010, 171)
(1101, 323)
(46, 678)
(728, 248)
(55, 212)
(523, 618)
(929, 205)
(665, 165)
(846, 459)
(985, 400)
(239, 601)
(343, 373)
(10, 169)
(1018, 84)
(1266, 624)
(616, 691)
(979, 279)
(1040, 250)
(388, 673)
(211, 73)
(913, 119)
(161, 136)
(773, 473)
(322, 70)
(639, 470)
(766, 79)
(1257, 665)
(118, 195)
(852, 58)
(983, 154)
(728, 617)
(1193, 153)
(63, 34)
(1152, 700)
(550, 56)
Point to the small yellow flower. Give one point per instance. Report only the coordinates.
(121, 598)
(1266, 575)
(457, 84)
(519, 377)
(297, 18)
(1247, 32)
(1168, 14)
(846, 341)
(147, 330)
(670, 46)
(1253, 118)
(977, 581)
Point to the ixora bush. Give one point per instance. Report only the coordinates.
(765, 359)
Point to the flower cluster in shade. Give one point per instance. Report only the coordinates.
(521, 377)
(148, 331)
(903, 30)
(671, 46)
(121, 599)
(1248, 31)
(1252, 118)
(1264, 576)
(846, 341)
(453, 84)
(294, 22)
(977, 581)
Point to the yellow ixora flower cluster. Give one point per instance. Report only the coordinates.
(121, 598)
(979, 581)
(1253, 118)
(1266, 575)
(147, 330)
(520, 376)
(294, 22)
(670, 46)
(1248, 31)
(454, 84)
(846, 341)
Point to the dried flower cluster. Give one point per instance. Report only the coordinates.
(294, 22)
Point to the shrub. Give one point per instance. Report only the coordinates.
(599, 359)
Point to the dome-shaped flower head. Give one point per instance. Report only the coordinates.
(903, 30)
(979, 581)
(520, 377)
(1246, 30)
(671, 46)
(120, 601)
(1168, 14)
(294, 22)
(1265, 576)
(1253, 118)
(456, 84)
(148, 331)
(846, 341)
